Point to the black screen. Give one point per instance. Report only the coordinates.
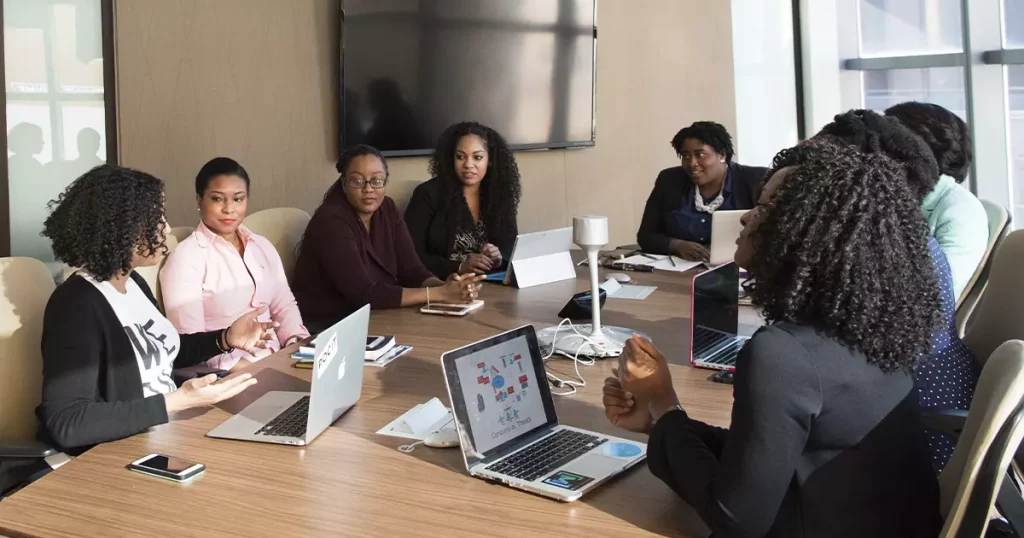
(716, 299)
(411, 69)
(168, 464)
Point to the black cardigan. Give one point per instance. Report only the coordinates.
(822, 443)
(667, 196)
(432, 219)
(92, 389)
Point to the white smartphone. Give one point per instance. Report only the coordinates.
(445, 309)
(167, 467)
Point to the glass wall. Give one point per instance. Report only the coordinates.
(53, 69)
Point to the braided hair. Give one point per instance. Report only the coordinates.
(945, 133)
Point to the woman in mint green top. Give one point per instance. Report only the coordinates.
(955, 216)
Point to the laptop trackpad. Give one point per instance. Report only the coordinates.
(266, 408)
(595, 465)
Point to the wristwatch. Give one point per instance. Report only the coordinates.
(676, 407)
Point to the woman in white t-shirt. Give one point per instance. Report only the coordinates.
(108, 352)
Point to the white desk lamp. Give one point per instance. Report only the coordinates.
(590, 234)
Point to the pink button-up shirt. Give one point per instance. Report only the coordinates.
(206, 286)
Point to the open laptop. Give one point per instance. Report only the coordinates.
(725, 230)
(296, 418)
(508, 430)
(538, 258)
(714, 318)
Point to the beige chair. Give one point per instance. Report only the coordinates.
(994, 428)
(283, 227)
(181, 232)
(999, 315)
(998, 227)
(26, 285)
(150, 274)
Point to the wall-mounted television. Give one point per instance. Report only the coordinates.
(411, 68)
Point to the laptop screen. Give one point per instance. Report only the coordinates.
(499, 392)
(716, 297)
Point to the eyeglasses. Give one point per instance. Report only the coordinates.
(359, 182)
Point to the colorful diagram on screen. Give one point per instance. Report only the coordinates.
(509, 385)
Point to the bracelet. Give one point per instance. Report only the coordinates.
(222, 342)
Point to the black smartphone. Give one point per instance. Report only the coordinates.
(722, 376)
(167, 467)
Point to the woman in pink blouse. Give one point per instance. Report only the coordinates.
(223, 270)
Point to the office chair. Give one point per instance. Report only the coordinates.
(999, 220)
(25, 288)
(283, 227)
(987, 441)
(182, 232)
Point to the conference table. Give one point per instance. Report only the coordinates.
(351, 481)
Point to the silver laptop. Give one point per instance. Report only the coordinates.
(714, 320)
(725, 230)
(508, 430)
(296, 418)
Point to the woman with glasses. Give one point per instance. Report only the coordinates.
(357, 251)
(464, 219)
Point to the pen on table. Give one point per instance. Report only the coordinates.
(672, 259)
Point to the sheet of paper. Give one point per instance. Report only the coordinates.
(662, 263)
(399, 427)
(637, 293)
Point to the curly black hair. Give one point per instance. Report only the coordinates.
(843, 248)
(104, 217)
(872, 132)
(500, 190)
(708, 132)
(944, 132)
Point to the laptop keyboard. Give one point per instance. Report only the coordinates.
(726, 347)
(290, 423)
(546, 455)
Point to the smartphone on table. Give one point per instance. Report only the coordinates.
(445, 309)
(167, 467)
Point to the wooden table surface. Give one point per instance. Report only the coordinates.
(351, 481)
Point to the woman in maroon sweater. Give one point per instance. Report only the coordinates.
(357, 250)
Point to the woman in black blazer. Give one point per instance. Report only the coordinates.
(464, 219)
(677, 218)
(107, 350)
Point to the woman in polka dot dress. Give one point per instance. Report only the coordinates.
(946, 379)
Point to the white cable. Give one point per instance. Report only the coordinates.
(573, 384)
(409, 448)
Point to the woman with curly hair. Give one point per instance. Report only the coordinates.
(948, 373)
(357, 251)
(107, 350)
(677, 217)
(955, 216)
(825, 438)
(464, 219)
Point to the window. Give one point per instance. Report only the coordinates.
(940, 85)
(908, 27)
(1013, 24)
(55, 109)
(1015, 100)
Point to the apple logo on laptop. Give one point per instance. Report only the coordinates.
(341, 368)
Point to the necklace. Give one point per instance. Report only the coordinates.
(710, 207)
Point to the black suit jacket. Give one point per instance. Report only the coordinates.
(433, 219)
(667, 196)
(92, 390)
